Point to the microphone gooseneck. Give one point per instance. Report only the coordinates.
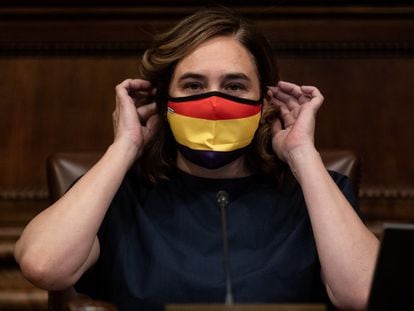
(222, 202)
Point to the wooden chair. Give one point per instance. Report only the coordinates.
(64, 168)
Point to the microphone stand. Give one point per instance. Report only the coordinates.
(222, 202)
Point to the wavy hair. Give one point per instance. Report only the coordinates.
(158, 64)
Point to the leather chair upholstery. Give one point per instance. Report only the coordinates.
(64, 168)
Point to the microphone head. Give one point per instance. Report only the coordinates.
(222, 198)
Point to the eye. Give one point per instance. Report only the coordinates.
(193, 87)
(235, 87)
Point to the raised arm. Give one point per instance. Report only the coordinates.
(347, 249)
(61, 243)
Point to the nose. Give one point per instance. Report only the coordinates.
(213, 88)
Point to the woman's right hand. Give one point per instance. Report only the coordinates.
(134, 117)
(61, 243)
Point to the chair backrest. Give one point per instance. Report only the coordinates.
(65, 167)
(345, 162)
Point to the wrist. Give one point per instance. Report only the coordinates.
(126, 152)
(302, 158)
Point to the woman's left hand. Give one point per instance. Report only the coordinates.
(296, 126)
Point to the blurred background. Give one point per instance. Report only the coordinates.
(60, 61)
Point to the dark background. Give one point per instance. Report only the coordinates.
(60, 62)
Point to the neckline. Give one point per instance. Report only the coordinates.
(232, 185)
(184, 174)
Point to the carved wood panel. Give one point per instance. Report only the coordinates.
(59, 66)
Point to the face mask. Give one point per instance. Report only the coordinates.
(213, 129)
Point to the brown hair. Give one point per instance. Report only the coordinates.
(158, 64)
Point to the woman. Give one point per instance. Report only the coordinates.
(201, 119)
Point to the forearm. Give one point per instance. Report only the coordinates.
(60, 243)
(347, 249)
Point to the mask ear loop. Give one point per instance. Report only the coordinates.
(162, 86)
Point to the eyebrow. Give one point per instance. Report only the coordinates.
(226, 76)
(192, 75)
(235, 76)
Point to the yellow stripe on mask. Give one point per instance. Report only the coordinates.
(215, 135)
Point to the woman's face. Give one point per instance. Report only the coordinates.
(220, 64)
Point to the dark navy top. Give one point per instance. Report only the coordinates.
(163, 244)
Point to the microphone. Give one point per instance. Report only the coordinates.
(222, 198)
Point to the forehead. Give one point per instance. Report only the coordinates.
(218, 55)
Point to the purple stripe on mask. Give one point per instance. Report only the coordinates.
(210, 159)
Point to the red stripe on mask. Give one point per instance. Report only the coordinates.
(214, 108)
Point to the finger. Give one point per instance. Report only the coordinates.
(146, 111)
(286, 116)
(271, 90)
(278, 102)
(311, 91)
(133, 85)
(314, 94)
(287, 99)
(277, 126)
(141, 97)
(140, 93)
(291, 89)
(134, 91)
(150, 127)
(121, 95)
(296, 91)
(290, 93)
(270, 95)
